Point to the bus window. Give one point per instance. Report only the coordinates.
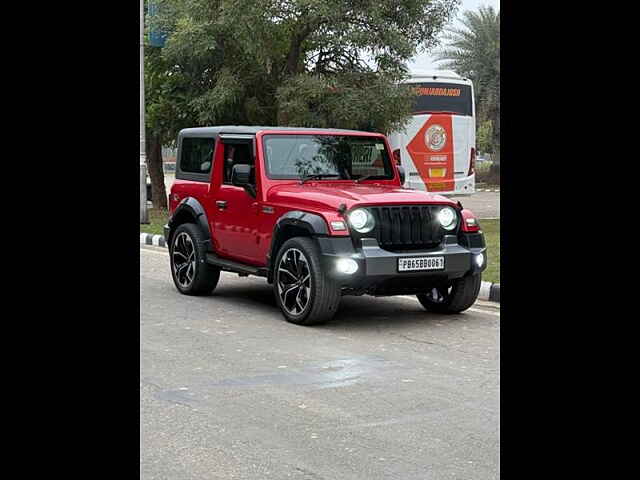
(443, 97)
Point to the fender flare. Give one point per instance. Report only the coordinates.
(312, 223)
(192, 208)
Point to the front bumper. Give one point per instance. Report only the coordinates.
(378, 272)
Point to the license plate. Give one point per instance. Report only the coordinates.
(437, 172)
(436, 186)
(420, 263)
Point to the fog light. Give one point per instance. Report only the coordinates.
(347, 266)
(480, 259)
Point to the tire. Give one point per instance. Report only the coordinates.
(454, 298)
(317, 298)
(197, 277)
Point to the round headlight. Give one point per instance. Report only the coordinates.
(447, 218)
(361, 220)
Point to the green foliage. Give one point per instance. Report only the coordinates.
(484, 137)
(324, 63)
(474, 52)
(362, 101)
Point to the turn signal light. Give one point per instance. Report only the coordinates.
(469, 222)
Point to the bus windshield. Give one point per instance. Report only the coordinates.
(444, 98)
(344, 157)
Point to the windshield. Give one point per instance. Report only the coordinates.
(443, 97)
(343, 157)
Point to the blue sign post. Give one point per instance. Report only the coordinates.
(157, 38)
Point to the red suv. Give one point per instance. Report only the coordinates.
(320, 213)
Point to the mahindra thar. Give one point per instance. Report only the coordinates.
(320, 213)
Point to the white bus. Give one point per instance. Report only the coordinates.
(438, 146)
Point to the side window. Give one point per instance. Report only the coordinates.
(237, 154)
(197, 155)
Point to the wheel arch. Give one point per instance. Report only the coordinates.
(292, 224)
(189, 210)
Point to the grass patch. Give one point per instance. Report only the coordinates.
(491, 229)
(157, 220)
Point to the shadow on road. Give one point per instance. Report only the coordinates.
(365, 312)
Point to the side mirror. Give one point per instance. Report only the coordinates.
(241, 177)
(402, 174)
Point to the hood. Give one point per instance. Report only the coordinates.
(319, 195)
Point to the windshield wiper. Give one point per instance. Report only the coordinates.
(360, 179)
(318, 176)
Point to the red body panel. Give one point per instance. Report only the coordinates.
(243, 230)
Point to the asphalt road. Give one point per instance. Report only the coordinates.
(229, 390)
(483, 204)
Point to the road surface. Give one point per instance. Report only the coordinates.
(229, 390)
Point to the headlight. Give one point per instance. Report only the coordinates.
(361, 220)
(447, 218)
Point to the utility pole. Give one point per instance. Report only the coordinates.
(144, 214)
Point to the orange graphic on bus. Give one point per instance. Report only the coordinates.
(432, 153)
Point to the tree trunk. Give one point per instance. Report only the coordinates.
(156, 172)
(293, 58)
(293, 65)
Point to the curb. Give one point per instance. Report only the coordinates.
(487, 190)
(488, 291)
(149, 239)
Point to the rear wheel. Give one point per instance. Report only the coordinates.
(191, 273)
(304, 294)
(455, 297)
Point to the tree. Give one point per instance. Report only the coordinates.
(158, 130)
(293, 62)
(484, 136)
(474, 52)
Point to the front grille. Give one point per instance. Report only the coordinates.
(408, 227)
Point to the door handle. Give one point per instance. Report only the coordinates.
(222, 204)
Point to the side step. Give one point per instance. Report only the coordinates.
(235, 267)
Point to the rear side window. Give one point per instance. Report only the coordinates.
(197, 155)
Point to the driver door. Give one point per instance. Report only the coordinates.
(234, 225)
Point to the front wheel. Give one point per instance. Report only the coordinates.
(456, 297)
(305, 295)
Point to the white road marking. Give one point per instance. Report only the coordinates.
(470, 309)
(157, 252)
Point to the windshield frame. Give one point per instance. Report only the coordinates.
(389, 167)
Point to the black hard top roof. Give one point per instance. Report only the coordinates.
(252, 130)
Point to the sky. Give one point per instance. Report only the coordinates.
(425, 61)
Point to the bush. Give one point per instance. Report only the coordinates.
(488, 173)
